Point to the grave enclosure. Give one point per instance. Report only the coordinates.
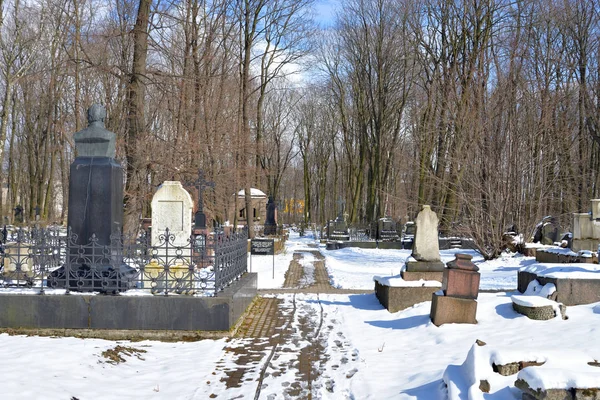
(173, 281)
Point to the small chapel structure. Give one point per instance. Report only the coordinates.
(258, 211)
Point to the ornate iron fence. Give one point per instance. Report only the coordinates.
(46, 259)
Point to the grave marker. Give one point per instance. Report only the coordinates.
(172, 209)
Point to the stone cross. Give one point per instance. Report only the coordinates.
(201, 184)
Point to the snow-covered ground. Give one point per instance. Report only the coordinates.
(371, 353)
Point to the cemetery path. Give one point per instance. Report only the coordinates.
(286, 333)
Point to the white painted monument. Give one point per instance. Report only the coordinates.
(172, 208)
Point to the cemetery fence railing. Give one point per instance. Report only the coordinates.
(42, 259)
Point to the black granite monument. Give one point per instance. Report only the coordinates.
(201, 184)
(95, 212)
(18, 214)
(271, 220)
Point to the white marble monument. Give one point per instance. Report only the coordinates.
(425, 262)
(426, 246)
(172, 208)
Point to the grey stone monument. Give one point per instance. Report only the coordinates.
(425, 263)
(271, 220)
(95, 209)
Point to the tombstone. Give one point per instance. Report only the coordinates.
(547, 231)
(95, 210)
(271, 220)
(386, 230)
(172, 208)
(37, 213)
(457, 302)
(199, 217)
(338, 229)
(425, 262)
(18, 214)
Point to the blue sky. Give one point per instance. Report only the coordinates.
(325, 11)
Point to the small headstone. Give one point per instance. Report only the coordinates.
(426, 246)
(271, 220)
(172, 209)
(547, 231)
(19, 214)
(386, 230)
(338, 230)
(426, 249)
(460, 286)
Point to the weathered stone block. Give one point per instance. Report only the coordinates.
(460, 283)
(426, 276)
(425, 266)
(570, 292)
(395, 299)
(538, 394)
(448, 310)
(426, 246)
(540, 313)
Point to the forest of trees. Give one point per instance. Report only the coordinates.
(489, 110)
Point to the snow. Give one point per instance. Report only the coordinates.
(397, 281)
(253, 193)
(561, 271)
(370, 353)
(532, 301)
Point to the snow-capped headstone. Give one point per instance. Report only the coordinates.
(172, 209)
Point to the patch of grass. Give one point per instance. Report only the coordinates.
(116, 355)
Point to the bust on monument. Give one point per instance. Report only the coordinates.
(95, 140)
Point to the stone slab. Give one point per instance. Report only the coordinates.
(43, 311)
(186, 313)
(460, 283)
(452, 310)
(395, 299)
(426, 276)
(425, 266)
(570, 292)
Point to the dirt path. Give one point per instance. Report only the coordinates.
(285, 333)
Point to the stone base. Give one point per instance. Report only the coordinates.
(548, 394)
(452, 310)
(395, 299)
(426, 276)
(540, 313)
(425, 266)
(570, 292)
(136, 313)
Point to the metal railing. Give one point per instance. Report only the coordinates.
(50, 259)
